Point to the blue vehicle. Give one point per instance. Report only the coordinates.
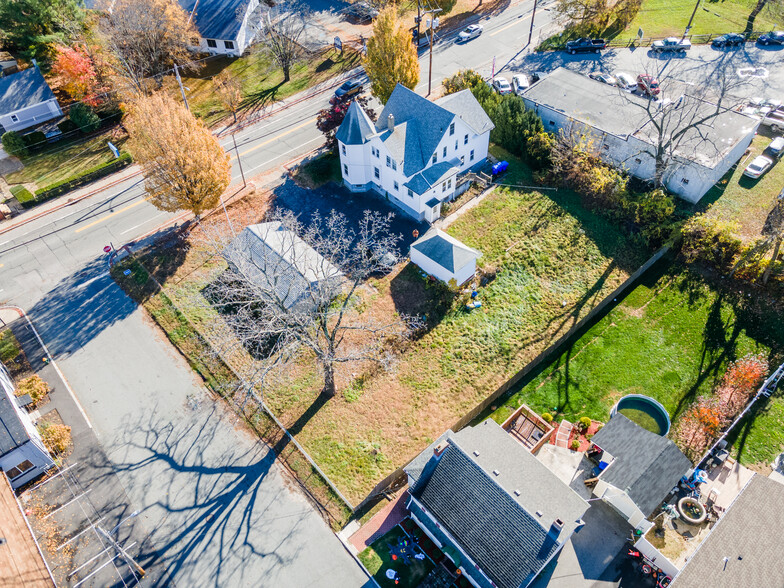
(772, 38)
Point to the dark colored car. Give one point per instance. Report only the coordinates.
(729, 40)
(648, 85)
(347, 90)
(772, 38)
(585, 45)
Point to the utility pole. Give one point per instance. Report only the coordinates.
(182, 89)
(128, 559)
(688, 26)
(239, 161)
(432, 24)
(531, 32)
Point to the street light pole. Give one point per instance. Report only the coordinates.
(430, 72)
(531, 32)
(128, 559)
(688, 26)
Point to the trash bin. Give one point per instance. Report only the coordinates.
(500, 167)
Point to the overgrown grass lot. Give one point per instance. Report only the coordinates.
(261, 80)
(743, 201)
(671, 338)
(548, 261)
(66, 158)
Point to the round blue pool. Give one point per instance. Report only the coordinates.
(645, 411)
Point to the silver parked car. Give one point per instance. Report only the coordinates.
(471, 32)
(501, 85)
(520, 83)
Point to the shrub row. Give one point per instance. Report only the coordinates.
(90, 175)
(22, 194)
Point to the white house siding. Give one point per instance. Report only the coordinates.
(29, 451)
(638, 158)
(461, 276)
(32, 115)
(241, 41)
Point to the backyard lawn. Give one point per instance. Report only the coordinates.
(261, 80)
(377, 560)
(671, 338)
(552, 262)
(65, 158)
(745, 201)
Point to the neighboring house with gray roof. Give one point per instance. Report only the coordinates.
(643, 468)
(26, 100)
(742, 549)
(286, 270)
(491, 506)
(416, 152)
(624, 135)
(444, 257)
(23, 455)
(225, 26)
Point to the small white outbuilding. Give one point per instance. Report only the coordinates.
(444, 257)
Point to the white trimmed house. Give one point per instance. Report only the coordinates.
(417, 152)
(26, 100)
(225, 26)
(23, 455)
(444, 257)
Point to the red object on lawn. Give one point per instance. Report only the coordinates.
(394, 557)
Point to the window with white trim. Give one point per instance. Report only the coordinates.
(345, 169)
(343, 149)
(389, 161)
(228, 44)
(465, 140)
(451, 129)
(394, 165)
(396, 186)
(471, 155)
(449, 184)
(212, 44)
(444, 152)
(376, 172)
(462, 159)
(20, 469)
(443, 187)
(410, 193)
(455, 145)
(435, 157)
(14, 118)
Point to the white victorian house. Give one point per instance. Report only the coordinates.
(417, 152)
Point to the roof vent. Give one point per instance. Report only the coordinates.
(391, 123)
(517, 493)
(496, 472)
(476, 453)
(539, 513)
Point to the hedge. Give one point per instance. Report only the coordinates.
(90, 175)
(22, 194)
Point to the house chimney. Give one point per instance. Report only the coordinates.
(391, 123)
(439, 449)
(555, 528)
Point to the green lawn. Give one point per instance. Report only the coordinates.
(744, 201)
(318, 171)
(662, 18)
(262, 81)
(671, 338)
(9, 347)
(64, 159)
(377, 561)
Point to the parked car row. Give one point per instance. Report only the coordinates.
(674, 44)
(762, 163)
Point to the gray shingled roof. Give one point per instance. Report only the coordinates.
(216, 19)
(23, 89)
(431, 176)
(12, 431)
(748, 536)
(356, 127)
(646, 466)
(464, 105)
(281, 264)
(422, 138)
(445, 250)
(504, 532)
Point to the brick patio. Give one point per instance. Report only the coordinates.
(382, 521)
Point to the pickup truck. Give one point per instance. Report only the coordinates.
(585, 45)
(671, 44)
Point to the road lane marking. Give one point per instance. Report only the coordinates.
(276, 137)
(511, 24)
(284, 153)
(108, 216)
(144, 222)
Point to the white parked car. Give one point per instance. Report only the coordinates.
(520, 83)
(776, 147)
(758, 167)
(471, 32)
(501, 85)
(625, 80)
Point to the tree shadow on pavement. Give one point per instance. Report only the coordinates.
(213, 519)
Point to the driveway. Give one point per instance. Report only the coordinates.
(217, 508)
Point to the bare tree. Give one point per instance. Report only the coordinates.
(146, 38)
(292, 286)
(678, 125)
(282, 27)
(229, 91)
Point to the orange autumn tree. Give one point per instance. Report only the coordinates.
(699, 426)
(741, 381)
(76, 74)
(185, 167)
